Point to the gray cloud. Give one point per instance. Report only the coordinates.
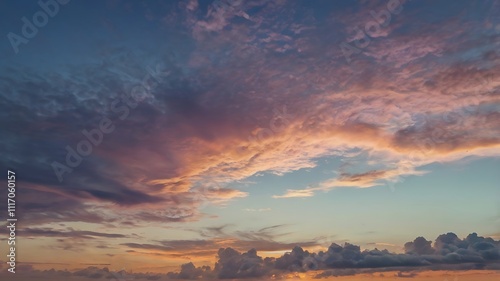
(448, 252)
(48, 232)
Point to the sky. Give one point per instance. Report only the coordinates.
(201, 139)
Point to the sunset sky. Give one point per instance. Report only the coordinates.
(149, 135)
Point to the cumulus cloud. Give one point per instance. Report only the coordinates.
(448, 251)
(232, 264)
(189, 271)
(419, 246)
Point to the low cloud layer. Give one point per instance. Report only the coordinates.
(447, 252)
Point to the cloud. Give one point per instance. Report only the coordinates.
(419, 246)
(189, 271)
(268, 239)
(361, 180)
(448, 252)
(47, 232)
(357, 180)
(406, 275)
(265, 239)
(290, 193)
(175, 245)
(93, 272)
(268, 90)
(257, 210)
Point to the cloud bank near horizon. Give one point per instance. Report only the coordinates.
(447, 252)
